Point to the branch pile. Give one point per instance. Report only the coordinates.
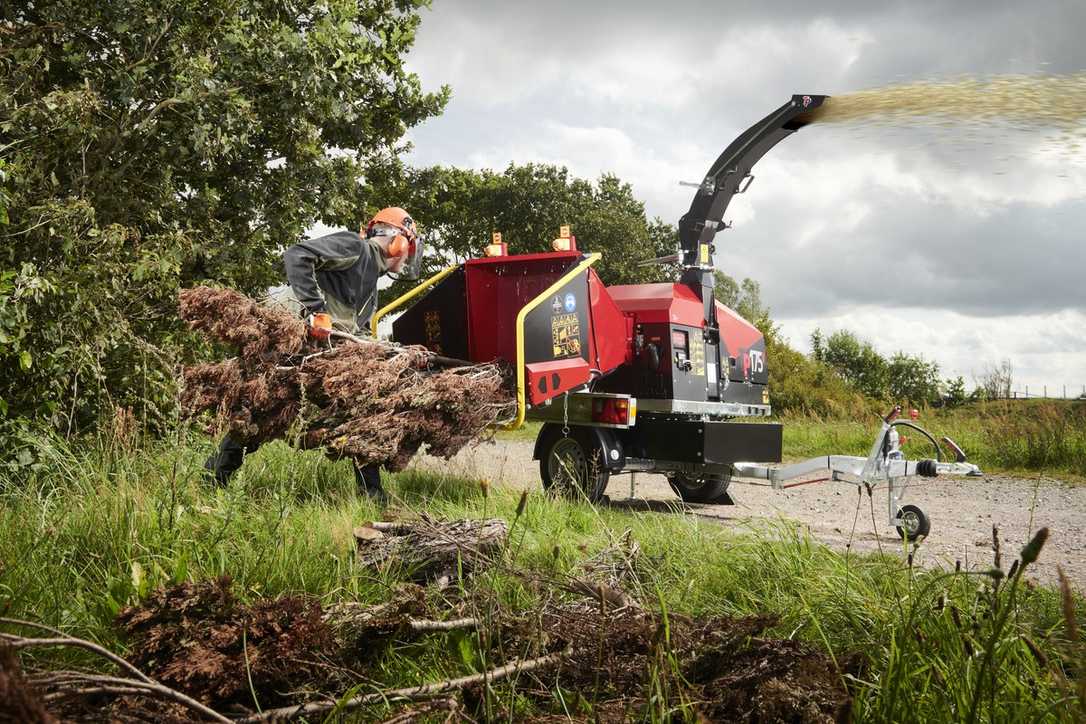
(198, 653)
(370, 401)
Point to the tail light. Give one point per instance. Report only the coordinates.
(612, 411)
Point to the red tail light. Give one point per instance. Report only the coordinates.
(611, 411)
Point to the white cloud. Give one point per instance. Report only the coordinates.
(1045, 349)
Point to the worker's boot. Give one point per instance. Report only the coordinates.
(221, 466)
(369, 483)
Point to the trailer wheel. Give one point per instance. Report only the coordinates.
(698, 489)
(914, 523)
(573, 465)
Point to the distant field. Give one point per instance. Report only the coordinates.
(1008, 436)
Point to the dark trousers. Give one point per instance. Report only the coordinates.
(232, 454)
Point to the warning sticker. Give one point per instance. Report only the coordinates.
(566, 335)
(697, 361)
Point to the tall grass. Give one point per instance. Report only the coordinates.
(101, 527)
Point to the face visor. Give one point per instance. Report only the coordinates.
(411, 250)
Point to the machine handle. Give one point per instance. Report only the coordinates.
(522, 405)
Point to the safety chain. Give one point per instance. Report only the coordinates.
(565, 414)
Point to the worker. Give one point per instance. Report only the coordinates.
(333, 283)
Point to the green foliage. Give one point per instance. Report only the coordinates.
(902, 377)
(458, 210)
(148, 145)
(799, 385)
(858, 362)
(744, 298)
(956, 395)
(912, 378)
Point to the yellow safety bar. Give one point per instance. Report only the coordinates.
(410, 295)
(522, 314)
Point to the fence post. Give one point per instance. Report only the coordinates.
(1046, 392)
(1065, 392)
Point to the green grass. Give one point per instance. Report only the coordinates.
(100, 527)
(1007, 436)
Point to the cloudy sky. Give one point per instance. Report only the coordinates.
(963, 244)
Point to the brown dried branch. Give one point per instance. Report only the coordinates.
(80, 681)
(422, 691)
(373, 402)
(20, 642)
(66, 684)
(450, 625)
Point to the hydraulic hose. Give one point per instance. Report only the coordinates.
(922, 431)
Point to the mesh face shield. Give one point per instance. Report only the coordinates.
(412, 265)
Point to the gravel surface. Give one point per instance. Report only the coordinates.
(962, 510)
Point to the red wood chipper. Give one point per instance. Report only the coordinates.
(649, 377)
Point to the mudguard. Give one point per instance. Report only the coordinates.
(604, 436)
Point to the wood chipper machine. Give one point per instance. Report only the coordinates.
(656, 378)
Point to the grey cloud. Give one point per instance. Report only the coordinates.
(667, 74)
(1017, 260)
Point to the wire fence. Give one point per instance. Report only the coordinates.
(1045, 392)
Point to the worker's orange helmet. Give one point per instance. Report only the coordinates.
(394, 216)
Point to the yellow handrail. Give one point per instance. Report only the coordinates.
(409, 296)
(522, 314)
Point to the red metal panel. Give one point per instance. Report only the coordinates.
(670, 303)
(738, 333)
(612, 339)
(497, 289)
(545, 380)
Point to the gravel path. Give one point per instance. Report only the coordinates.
(962, 510)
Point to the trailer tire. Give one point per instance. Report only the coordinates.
(573, 465)
(700, 489)
(915, 523)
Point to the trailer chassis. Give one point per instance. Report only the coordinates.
(884, 464)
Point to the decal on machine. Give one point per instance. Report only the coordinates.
(431, 323)
(566, 334)
(757, 361)
(697, 358)
(753, 362)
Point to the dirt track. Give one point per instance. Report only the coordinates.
(962, 510)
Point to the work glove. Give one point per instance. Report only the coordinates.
(319, 325)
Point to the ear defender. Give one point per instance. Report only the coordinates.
(399, 246)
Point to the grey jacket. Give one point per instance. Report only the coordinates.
(337, 274)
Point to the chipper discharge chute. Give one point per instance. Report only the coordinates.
(650, 377)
